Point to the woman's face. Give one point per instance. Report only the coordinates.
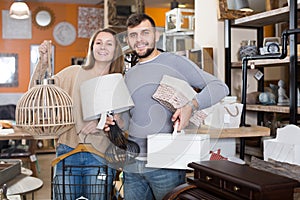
(104, 47)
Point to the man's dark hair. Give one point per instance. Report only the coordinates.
(136, 19)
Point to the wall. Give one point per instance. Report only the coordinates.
(158, 14)
(63, 54)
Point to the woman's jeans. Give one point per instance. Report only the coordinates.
(145, 183)
(85, 175)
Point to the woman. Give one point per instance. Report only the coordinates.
(104, 57)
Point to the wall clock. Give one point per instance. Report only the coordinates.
(64, 33)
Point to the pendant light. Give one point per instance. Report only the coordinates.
(243, 5)
(19, 10)
(45, 111)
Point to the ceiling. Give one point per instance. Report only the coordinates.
(148, 3)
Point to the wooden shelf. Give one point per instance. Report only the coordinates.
(252, 131)
(264, 18)
(45, 150)
(270, 108)
(264, 63)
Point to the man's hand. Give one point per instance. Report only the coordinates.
(183, 115)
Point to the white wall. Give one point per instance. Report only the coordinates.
(209, 32)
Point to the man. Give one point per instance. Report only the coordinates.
(149, 116)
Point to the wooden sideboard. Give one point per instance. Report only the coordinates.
(222, 179)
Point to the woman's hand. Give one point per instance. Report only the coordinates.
(43, 51)
(90, 127)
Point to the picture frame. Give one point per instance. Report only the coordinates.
(9, 70)
(119, 10)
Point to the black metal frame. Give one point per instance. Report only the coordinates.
(293, 30)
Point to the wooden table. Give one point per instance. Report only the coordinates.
(23, 184)
(241, 132)
(19, 134)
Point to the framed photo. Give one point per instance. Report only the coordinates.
(119, 10)
(9, 70)
(34, 57)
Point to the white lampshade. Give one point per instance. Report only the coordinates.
(243, 5)
(104, 94)
(19, 10)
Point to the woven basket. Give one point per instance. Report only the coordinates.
(174, 99)
(45, 111)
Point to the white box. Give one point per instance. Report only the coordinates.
(176, 151)
(285, 147)
(227, 146)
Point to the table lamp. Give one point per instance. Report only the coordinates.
(45, 111)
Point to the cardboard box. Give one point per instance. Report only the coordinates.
(9, 169)
(175, 151)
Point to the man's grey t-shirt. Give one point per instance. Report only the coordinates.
(148, 116)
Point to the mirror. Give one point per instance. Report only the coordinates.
(9, 70)
(43, 17)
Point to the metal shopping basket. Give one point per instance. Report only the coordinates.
(73, 184)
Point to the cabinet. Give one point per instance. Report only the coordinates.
(222, 179)
(258, 21)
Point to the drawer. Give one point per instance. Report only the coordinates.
(210, 179)
(237, 189)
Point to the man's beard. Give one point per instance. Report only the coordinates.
(148, 52)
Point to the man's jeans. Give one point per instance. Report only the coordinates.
(145, 183)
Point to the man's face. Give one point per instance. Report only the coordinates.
(141, 39)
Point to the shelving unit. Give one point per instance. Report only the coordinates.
(258, 21)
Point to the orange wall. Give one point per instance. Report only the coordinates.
(158, 14)
(63, 54)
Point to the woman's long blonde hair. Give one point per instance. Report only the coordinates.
(117, 63)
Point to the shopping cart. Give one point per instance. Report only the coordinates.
(75, 184)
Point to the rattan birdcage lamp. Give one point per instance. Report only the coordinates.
(45, 110)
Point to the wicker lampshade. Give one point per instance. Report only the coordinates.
(45, 110)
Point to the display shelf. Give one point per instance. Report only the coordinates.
(264, 18)
(257, 21)
(270, 108)
(46, 150)
(264, 63)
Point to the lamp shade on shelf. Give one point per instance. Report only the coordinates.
(19, 10)
(45, 111)
(243, 5)
(102, 95)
